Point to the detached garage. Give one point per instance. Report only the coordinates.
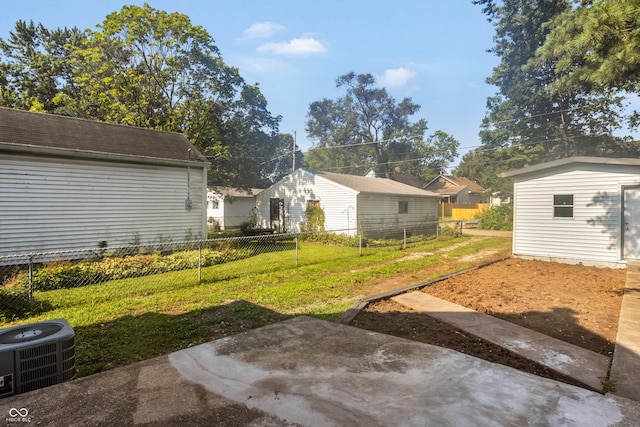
(69, 183)
(350, 204)
(579, 209)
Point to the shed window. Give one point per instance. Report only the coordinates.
(563, 205)
(403, 207)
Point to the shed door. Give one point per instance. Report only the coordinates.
(631, 223)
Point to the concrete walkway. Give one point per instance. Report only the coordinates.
(588, 367)
(311, 372)
(625, 367)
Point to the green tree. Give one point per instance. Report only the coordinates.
(596, 45)
(368, 129)
(527, 122)
(34, 66)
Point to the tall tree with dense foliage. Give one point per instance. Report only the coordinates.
(596, 46)
(368, 129)
(149, 68)
(35, 67)
(527, 122)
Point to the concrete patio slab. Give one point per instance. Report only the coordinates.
(311, 372)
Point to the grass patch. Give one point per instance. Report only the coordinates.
(124, 321)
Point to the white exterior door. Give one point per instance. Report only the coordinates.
(631, 223)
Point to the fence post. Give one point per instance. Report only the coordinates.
(404, 237)
(200, 261)
(30, 278)
(296, 250)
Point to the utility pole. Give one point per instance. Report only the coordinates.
(294, 151)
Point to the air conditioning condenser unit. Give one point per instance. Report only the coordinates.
(35, 356)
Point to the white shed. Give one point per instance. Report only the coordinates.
(68, 183)
(350, 203)
(579, 209)
(230, 207)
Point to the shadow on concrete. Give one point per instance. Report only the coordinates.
(399, 321)
(132, 338)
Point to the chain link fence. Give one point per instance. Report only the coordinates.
(27, 278)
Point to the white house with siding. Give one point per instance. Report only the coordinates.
(350, 203)
(579, 209)
(68, 183)
(230, 207)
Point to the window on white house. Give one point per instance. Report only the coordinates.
(403, 207)
(563, 205)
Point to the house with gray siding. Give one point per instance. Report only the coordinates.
(578, 210)
(350, 203)
(68, 184)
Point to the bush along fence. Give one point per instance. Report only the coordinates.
(22, 276)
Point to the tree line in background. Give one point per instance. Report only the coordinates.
(367, 129)
(567, 71)
(149, 68)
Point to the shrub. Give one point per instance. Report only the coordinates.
(315, 218)
(67, 274)
(335, 239)
(497, 218)
(15, 303)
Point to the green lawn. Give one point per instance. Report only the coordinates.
(124, 321)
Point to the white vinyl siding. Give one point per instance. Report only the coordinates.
(592, 234)
(229, 213)
(50, 204)
(377, 211)
(302, 186)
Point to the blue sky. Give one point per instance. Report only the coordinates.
(433, 51)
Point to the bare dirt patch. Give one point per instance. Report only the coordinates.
(573, 303)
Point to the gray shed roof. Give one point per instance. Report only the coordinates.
(571, 160)
(79, 137)
(364, 184)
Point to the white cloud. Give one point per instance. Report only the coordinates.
(301, 46)
(397, 77)
(263, 30)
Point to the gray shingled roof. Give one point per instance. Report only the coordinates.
(364, 184)
(86, 136)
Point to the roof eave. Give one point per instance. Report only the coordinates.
(95, 155)
(568, 161)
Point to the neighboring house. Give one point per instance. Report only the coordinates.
(580, 209)
(456, 190)
(350, 203)
(68, 183)
(230, 207)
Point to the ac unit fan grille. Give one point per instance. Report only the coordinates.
(46, 364)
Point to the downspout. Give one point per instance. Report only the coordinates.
(188, 203)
